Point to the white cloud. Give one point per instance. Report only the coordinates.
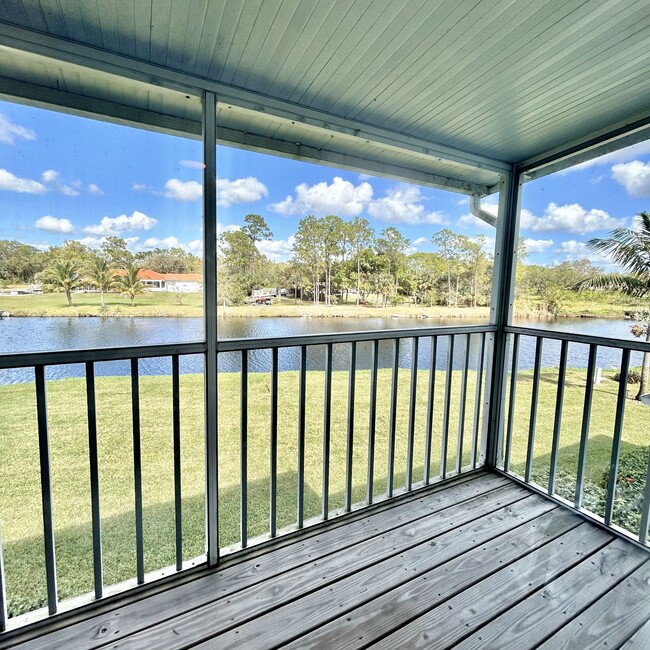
(420, 241)
(196, 246)
(340, 197)
(570, 218)
(52, 224)
(578, 250)
(470, 221)
(634, 177)
(94, 190)
(12, 183)
(50, 176)
(116, 225)
(231, 227)
(537, 245)
(67, 190)
(10, 132)
(241, 190)
(401, 205)
(166, 242)
(278, 250)
(139, 187)
(91, 242)
(192, 164)
(183, 190)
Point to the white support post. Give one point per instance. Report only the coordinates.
(210, 319)
(501, 308)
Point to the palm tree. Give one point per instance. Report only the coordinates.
(101, 276)
(128, 283)
(630, 248)
(64, 276)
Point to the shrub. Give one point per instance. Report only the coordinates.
(630, 485)
(633, 377)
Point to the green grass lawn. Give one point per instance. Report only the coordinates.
(161, 303)
(20, 511)
(148, 304)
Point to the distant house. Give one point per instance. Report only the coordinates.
(175, 282)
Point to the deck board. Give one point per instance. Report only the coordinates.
(553, 605)
(480, 562)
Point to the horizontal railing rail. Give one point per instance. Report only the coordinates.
(432, 387)
(237, 345)
(597, 418)
(587, 339)
(64, 357)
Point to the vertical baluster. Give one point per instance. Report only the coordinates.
(533, 409)
(445, 421)
(430, 409)
(3, 590)
(93, 459)
(513, 401)
(463, 406)
(301, 434)
(412, 405)
(477, 400)
(645, 508)
(349, 452)
(176, 433)
(273, 518)
(46, 488)
(327, 428)
(584, 433)
(392, 422)
(137, 470)
(557, 424)
(618, 434)
(372, 422)
(243, 450)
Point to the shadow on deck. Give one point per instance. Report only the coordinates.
(477, 562)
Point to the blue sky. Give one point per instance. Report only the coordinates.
(64, 177)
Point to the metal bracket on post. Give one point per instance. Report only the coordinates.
(505, 266)
(210, 319)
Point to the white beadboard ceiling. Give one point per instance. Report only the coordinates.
(436, 91)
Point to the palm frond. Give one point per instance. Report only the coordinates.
(629, 285)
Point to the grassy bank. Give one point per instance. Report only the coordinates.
(161, 304)
(165, 304)
(20, 512)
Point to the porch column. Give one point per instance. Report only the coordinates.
(210, 319)
(502, 305)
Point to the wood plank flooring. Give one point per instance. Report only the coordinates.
(481, 562)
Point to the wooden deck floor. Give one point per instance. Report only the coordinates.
(479, 563)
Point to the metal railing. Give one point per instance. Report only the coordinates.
(441, 360)
(549, 352)
(38, 362)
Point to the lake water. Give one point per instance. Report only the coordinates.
(39, 334)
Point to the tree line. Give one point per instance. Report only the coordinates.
(331, 260)
(73, 265)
